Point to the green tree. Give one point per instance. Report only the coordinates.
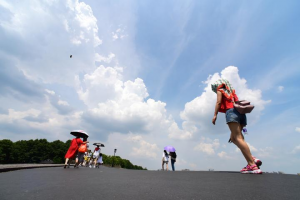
(35, 151)
(6, 147)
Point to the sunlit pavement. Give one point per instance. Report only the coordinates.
(111, 183)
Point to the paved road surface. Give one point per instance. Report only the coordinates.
(11, 167)
(109, 183)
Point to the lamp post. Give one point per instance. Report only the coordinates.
(115, 150)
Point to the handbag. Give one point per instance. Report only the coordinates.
(82, 148)
(243, 106)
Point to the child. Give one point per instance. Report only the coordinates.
(88, 158)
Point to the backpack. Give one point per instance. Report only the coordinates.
(82, 148)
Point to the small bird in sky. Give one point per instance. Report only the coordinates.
(70, 56)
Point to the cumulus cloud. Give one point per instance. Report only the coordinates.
(144, 149)
(207, 146)
(265, 152)
(107, 59)
(62, 107)
(119, 106)
(200, 110)
(224, 155)
(118, 34)
(39, 122)
(187, 131)
(44, 54)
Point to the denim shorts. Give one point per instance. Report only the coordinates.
(232, 115)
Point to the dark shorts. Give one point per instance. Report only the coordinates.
(232, 115)
(80, 156)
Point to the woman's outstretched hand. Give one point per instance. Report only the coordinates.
(214, 119)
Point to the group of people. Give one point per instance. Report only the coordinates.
(165, 160)
(79, 150)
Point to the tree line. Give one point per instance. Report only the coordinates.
(36, 151)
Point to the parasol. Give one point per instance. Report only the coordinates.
(79, 133)
(98, 143)
(169, 149)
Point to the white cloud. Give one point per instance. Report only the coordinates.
(296, 149)
(297, 129)
(207, 146)
(118, 34)
(200, 110)
(265, 152)
(45, 37)
(50, 92)
(107, 59)
(186, 133)
(224, 155)
(145, 149)
(280, 88)
(121, 106)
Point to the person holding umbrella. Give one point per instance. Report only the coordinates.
(165, 160)
(75, 143)
(173, 159)
(83, 148)
(172, 155)
(96, 154)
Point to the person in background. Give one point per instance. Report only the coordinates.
(99, 161)
(165, 160)
(80, 155)
(94, 159)
(173, 159)
(225, 98)
(72, 151)
(85, 157)
(88, 158)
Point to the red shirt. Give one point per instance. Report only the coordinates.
(227, 103)
(79, 141)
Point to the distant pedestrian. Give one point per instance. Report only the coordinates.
(87, 158)
(80, 155)
(173, 159)
(225, 98)
(72, 151)
(165, 160)
(99, 161)
(94, 159)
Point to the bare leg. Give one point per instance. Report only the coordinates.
(67, 160)
(76, 162)
(167, 166)
(163, 165)
(238, 139)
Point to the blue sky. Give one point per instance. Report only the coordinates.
(140, 77)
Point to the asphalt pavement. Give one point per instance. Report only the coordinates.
(111, 183)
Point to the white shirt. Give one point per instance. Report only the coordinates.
(96, 153)
(165, 157)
